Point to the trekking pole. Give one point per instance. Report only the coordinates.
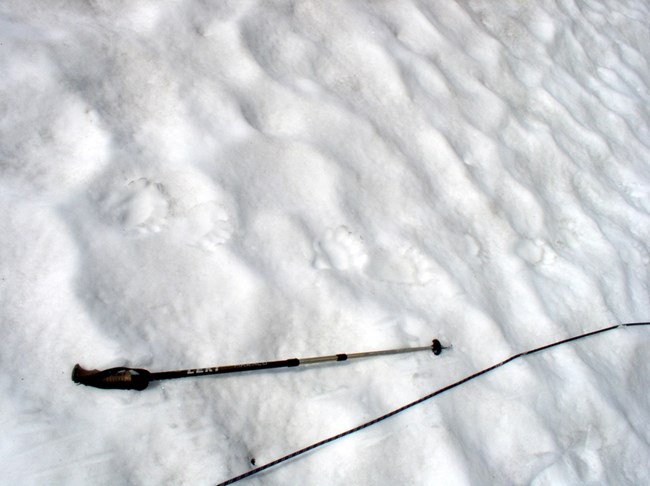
(138, 379)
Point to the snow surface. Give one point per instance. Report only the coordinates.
(190, 183)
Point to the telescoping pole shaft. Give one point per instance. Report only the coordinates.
(138, 378)
(368, 354)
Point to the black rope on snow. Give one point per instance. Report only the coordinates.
(418, 401)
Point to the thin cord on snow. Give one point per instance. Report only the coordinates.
(418, 401)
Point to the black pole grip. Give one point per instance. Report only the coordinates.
(114, 378)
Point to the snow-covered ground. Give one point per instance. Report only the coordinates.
(195, 183)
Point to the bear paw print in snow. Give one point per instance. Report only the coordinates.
(206, 226)
(421, 268)
(340, 249)
(142, 208)
(184, 206)
(409, 266)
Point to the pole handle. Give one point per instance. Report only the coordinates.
(120, 378)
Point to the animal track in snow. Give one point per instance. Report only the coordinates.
(535, 252)
(183, 206)
(340, 249)
(409, 266)
(204, 226)
(141, 208)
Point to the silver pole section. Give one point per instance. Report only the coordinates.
(366, 354)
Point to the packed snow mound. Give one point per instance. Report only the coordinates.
(188, 184)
